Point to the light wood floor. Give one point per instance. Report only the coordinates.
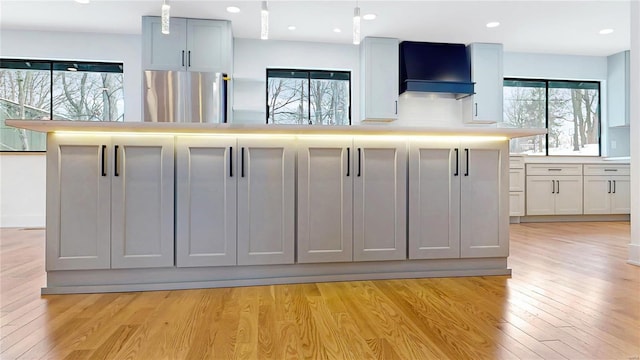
(571, 296)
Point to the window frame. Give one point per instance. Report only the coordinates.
(57, 65)
(309, 78)
(546, 110)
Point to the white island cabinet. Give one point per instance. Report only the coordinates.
(458, 199)
(266, 201)
(243, 193)
(206, 182)
(110, 202)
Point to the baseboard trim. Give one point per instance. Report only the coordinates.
(634, 254)
(102, 281)
(573, 218)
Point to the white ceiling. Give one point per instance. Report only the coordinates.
(562, 27)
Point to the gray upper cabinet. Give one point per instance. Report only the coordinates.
(379, 78)
(618, 89)
(485, 106)
(192, 44)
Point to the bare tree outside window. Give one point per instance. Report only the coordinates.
(308, 97)
(52, 90)
(569, 110)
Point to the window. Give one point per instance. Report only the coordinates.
(58, 90)
(314, 97)
(569, 110)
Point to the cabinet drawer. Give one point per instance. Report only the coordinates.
(603, 169)
(516, 162)
(554, 169)
(516, 179)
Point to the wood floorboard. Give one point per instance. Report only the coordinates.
(571, 296)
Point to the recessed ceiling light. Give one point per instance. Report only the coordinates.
(493, 24)
(336, 30)
(606, 31)
(233, 9)
(83, 1)
(291, 27)
(369, 16)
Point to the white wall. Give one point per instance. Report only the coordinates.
(22, 190)
(634, 246)
(252, 57)
(22, 177)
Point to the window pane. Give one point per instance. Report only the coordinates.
(329, 102)
(24, 94)
(574, 120)
(524, 107)
(287, 100)
(88, 96)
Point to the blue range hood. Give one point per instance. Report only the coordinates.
(435, 68)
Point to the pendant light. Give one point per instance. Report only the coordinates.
(264, 21)
(356, 25)
(165, 17)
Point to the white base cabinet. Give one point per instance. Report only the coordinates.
(266, 201)
(607, 195)
(206, 183)
(458, 200)
(109, 202)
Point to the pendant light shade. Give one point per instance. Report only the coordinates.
(264, 21)
(356, 25)
(166, 8)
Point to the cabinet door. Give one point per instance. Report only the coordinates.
(434, 200)
(266, 190)
(208, 45)
(486, 72)
(540, 195)
(484, 199)
(618, 77)
(142, 211)
(569, 195)
(516, 179)
(380, 73)
(516, 203)
(621, 195)
(379, 200)
(78, 202)
(325, 200)
(597, 194)
(163, 51)
(205, 201)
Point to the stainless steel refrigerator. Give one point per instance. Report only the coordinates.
(185, 96)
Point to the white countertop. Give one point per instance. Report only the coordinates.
(198, 128)
(572, 160)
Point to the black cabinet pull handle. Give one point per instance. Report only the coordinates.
(466, 151)
(115, 161)
(242, 162)
(553, 186)
(103, 160)
(359, 161)
(348, 161)
(396, 107)
(182, 57)
(609, 182)
(614, 186)
(476, 110)
(230, 161)
(189, 58)
(558, 190)
(457, 164)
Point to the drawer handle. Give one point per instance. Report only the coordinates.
(610, 169)
(555, 169)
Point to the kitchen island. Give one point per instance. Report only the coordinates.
(157, 206)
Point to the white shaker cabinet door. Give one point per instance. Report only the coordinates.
(484, 199)
(569, 195)
(142, 211)
(209, 46)
(540, 195)
(380, 200)
(206, 181)
(621, 195)
(266, 201)
(597, 194)
(434, 200)
(78, 202)
(325, 200)
(164, 51)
